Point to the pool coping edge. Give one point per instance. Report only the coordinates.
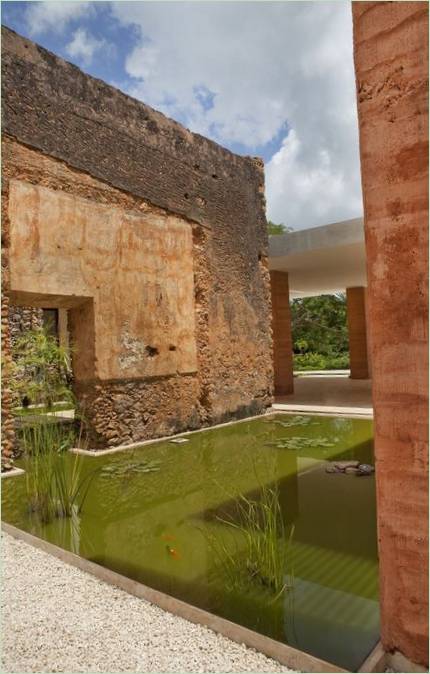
(271, 411)
(165, 438)
(376, 661)
(282, 653)
(13, 472)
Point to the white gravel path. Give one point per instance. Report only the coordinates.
(57, 618)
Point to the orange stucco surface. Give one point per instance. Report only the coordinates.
(134, 274)
(391, 63)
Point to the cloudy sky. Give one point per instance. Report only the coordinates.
(273, 79)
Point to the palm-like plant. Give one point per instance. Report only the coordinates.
(40, 368)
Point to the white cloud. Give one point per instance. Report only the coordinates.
(305, 193)
(263, 64)
(41, 17)
(83, 45)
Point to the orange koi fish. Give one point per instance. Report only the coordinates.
(172, 552)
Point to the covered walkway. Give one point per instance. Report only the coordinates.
(321, 261)
(331, 392)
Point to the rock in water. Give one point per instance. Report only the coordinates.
(365, 469)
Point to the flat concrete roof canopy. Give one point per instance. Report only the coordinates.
(322, 260)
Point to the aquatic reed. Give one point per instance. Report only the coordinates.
(55, 485)
(259, 553)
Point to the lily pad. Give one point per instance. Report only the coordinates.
(298, 442)
(122, 469)
(296, 421)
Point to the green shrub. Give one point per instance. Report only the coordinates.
(40, 369)
(338, 362)
(318, 361)
(319, 324)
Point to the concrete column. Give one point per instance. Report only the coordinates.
(357, 332)
(282, 340)
(369, 348)
(391, 66)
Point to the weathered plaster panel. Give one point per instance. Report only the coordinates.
(138, 271)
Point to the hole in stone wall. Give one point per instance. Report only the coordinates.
(214, 175)
(172, 348)
(186, 195)
(198, 295)
(198, 236)
(151, 351)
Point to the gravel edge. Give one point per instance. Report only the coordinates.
(56, 618)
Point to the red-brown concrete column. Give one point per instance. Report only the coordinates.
(282, 340)
(391, 64)
(368, 334)
(357, 332)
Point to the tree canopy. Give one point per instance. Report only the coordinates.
(319, 324)
(279, 228)
(319, 327)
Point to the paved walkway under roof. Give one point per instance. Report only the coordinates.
(331, 393)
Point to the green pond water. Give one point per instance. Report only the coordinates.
(156, 527)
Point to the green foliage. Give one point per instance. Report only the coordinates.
(40, 372)
(70, 487)
(55, 486)
(260, 556)
(274, 229)
(39, 467)
(40, 368)
(320, 334)
(317, 361)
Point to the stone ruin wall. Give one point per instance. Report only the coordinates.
(22, 319)
(75, 147)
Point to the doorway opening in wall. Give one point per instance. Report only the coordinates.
(321, 337)
(50, 321)
(41, 362)
(320, 334)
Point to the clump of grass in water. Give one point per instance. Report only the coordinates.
(262, 558)
(54, 487)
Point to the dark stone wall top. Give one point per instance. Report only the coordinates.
(51, 105)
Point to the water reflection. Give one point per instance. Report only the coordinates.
(152, 526)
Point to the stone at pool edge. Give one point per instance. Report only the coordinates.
(6, 465)
(350, 468)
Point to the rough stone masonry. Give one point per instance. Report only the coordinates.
(153, 238)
